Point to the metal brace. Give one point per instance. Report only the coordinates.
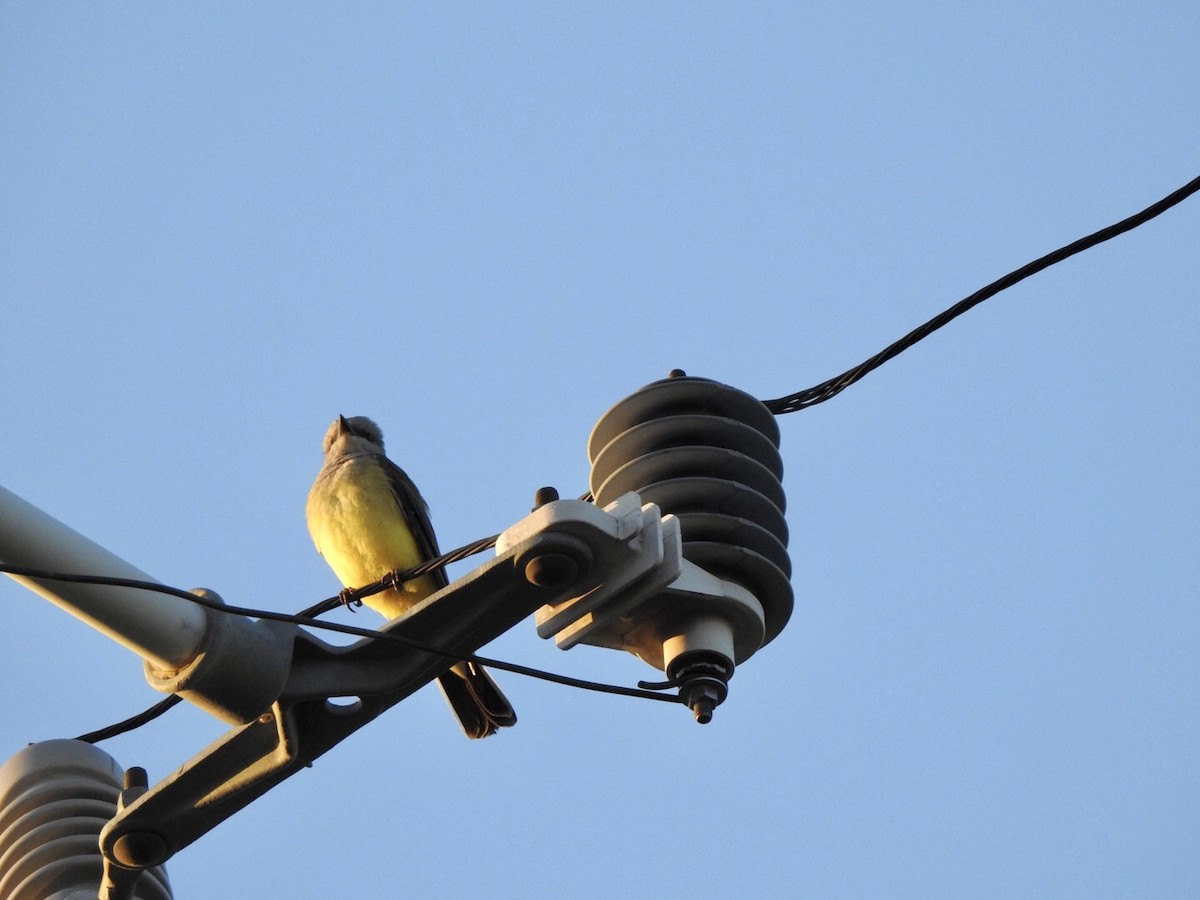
(564, 549)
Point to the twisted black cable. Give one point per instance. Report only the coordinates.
(834, 386)
(399, 576)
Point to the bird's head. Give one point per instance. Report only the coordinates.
(351, 431)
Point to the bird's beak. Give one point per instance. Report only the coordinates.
(343, 425)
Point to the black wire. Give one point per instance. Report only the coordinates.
(146, 715)
(346, 597)
(307, 618)
(398, 577)
(393, 579)
(834, 386)
(218, 606)
(554, 677)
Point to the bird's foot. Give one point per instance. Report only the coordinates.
(350, 599)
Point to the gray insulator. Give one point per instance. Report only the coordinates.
(55, 797)
(709, 454)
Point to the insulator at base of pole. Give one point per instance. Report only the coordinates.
(55, 797)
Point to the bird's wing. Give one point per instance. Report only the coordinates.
(416, 511)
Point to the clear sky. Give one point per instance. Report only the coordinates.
(222, 224)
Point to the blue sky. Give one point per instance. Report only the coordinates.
(484, 224)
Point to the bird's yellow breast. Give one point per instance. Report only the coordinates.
(363, 533)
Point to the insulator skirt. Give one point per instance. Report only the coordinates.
(709, 454)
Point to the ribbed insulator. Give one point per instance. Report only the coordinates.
(709, 454)
(55, 797)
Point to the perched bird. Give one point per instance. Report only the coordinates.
(367, 519)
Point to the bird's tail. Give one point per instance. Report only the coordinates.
(476, 700)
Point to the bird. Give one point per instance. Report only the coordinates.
(367, 519)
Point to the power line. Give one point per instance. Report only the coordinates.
(834, 386)
(307, 618)
(352, 597)
(142, 718)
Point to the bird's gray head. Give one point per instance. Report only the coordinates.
(353, 430)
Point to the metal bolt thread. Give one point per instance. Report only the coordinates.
(544, 495)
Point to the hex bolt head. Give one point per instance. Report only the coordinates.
(703, 700)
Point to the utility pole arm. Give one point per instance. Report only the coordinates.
(554, 558)
(230, 666)
(165, 631)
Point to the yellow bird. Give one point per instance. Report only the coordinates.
(367, 519)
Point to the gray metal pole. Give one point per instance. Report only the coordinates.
(164, 630)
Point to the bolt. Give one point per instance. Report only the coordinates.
(139, 849)
(543, 496)
(550, 570)
(677, 373)
(136, 784)
(703, 699)
(703, 679)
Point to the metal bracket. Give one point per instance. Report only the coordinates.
(669, 612)
(543, 559)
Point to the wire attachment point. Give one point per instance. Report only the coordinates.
(668, 685)
(703, 679)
